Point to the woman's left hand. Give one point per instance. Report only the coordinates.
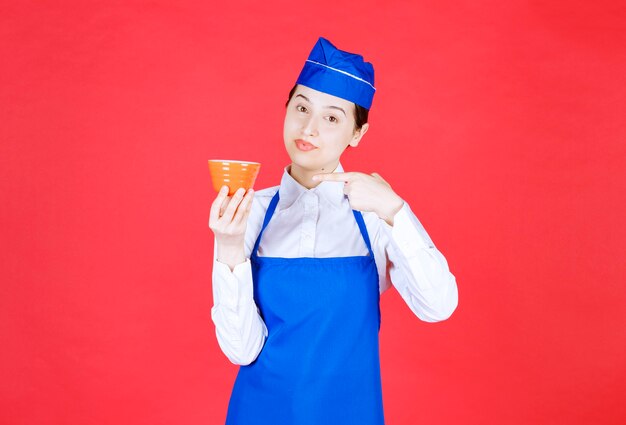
(367, 192)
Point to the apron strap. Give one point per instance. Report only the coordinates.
(363, 229)
(268, 215)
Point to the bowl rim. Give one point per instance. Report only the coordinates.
(234, 161)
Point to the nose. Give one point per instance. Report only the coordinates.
(309, 127)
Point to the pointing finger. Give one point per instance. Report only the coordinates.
(378, 176)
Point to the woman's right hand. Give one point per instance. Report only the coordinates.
(228, 220)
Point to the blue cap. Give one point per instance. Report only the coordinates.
(339, 73)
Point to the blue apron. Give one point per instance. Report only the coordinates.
(320, 362)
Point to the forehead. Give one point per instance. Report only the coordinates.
(319, 98)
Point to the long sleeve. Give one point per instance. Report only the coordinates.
(239, 327)
(417, 269)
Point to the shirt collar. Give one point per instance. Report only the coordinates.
(290, 190)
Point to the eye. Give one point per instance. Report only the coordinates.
(332, 119)
(300, 108)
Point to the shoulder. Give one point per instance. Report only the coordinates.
(263, 197)
(268, 192)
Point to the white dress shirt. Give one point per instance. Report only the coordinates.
(319, 222)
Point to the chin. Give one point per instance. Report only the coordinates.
(305, 165)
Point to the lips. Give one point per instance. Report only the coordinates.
(304, 145)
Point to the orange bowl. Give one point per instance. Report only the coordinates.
(234, 174)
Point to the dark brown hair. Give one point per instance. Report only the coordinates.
(360, 113)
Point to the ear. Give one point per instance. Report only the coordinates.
(358, 135)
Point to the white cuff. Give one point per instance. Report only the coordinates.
(232, 288)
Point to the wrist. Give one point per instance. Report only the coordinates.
(393, 207)
(230, 253)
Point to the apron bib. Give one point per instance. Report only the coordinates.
(320, 362)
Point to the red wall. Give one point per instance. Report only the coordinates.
(501, 123)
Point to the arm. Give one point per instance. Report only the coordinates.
(239, 328)
(417, 269)
(238, 325)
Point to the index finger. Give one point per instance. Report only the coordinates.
(217, 204)
(336, 177)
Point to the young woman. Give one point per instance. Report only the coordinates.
(299, 267)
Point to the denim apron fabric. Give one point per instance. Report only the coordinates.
(320, 362)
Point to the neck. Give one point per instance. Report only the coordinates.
(304, 176)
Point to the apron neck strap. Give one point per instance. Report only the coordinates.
(268, 215)
(363, 229)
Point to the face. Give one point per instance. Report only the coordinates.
(318, 128)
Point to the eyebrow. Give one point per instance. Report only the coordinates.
(331, 107)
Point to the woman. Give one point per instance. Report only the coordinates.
(299, 267)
